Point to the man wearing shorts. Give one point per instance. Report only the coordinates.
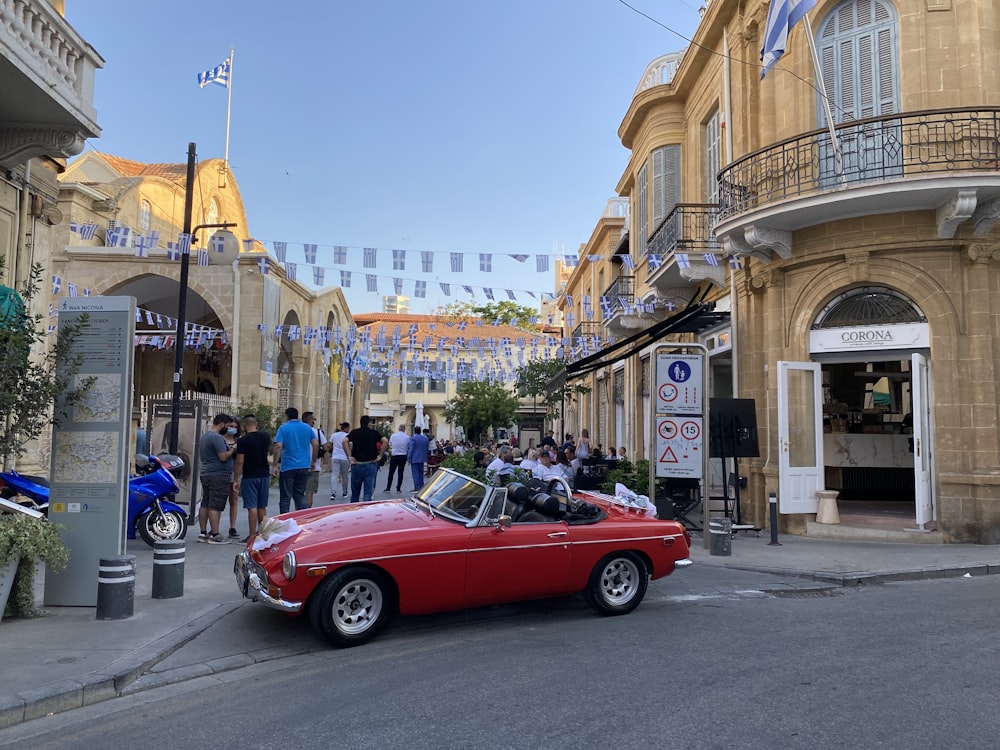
(216, 479)
(312, 484)
(251, 476)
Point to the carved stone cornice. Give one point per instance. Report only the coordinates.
(985, 216)
(857, 267)
(767, 238)
(960, 208)
(982, 253)
(714, 274)
(734, 244)
(18, 144)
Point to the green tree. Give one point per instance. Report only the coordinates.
(506, 311)
(269, 419)
(533, 380)
(32, 382)
(479, 405)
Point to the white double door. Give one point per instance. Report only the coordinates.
(800, 437)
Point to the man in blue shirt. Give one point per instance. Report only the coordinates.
(416, 454)
(295, 450)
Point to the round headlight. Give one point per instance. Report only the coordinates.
(288, 565)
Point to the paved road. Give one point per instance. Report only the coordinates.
(904, 665)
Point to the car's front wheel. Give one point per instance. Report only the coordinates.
(352, 605)
(617, 584)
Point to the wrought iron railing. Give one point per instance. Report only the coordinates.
(587, 337)
(876, 149)
(587, 329)
(621, 293)
(688, 228)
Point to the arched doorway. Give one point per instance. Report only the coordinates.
(858, 416)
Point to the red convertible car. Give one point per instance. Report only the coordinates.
(458, 543)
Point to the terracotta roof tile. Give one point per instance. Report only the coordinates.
(129, 168)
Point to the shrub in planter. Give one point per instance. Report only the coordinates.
(30, 540)
(635, 476)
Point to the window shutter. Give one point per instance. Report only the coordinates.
(666, 181)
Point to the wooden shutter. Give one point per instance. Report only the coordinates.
(666, 181)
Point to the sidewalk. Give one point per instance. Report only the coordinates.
(70, 659)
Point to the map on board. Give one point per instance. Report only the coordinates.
(86, 457)
(101, 402)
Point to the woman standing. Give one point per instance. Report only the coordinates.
(583, 445)
(233, 434)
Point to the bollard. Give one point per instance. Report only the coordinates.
(720, 531)
(115, 587)
(772, 501)
(168, 568)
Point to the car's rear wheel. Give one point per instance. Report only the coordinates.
(617, 584)
(351, 606)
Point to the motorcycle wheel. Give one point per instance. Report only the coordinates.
(155, 525)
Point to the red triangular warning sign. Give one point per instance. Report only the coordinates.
(669, 457)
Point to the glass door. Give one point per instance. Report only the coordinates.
(923, 454)
(800, 436)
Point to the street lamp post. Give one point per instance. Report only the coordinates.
(175, 404)
(190, 240)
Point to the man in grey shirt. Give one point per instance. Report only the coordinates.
(216, 459)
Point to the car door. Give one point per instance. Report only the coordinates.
(521, 561)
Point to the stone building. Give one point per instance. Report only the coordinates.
(865, 302)
(252, 333)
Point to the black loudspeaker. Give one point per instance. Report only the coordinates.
(732, 428)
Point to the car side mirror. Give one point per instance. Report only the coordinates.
(504, 522)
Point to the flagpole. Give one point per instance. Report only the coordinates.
(834, 141)
(229, 107)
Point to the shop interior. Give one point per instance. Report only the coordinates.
(867, 437)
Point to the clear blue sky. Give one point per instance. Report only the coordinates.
(422, 125)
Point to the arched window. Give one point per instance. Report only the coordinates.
(869, 305)
(858, 50)
(145, 215)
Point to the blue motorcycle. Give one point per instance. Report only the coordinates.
(151, 509)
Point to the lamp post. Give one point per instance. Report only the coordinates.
(191, 238)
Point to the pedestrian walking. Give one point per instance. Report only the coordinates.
(232, 436)
(340, 465)
(295, 451)
(417, 456)
(399, 443)
(363, 447)
(216, 476)
(312, 484)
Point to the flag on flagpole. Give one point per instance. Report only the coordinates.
(781, 17)
(219, 74)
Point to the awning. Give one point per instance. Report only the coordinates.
(692, 319)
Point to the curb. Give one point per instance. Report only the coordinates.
(95, 687)
(862, 578)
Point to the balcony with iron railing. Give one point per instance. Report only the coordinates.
(682, 251)
(618, 305)
(942, 160)
(587, 338)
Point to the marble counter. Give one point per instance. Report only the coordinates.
(845, 449)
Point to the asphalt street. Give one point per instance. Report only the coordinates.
(903, 665)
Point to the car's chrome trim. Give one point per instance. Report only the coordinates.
(255, 589)
(685, 563)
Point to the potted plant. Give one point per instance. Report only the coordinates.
(24, 542)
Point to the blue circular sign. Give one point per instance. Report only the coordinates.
(679, 371)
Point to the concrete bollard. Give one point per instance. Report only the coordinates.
(720, 531)
(168, 568)
(115, 587)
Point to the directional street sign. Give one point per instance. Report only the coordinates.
(679, 384)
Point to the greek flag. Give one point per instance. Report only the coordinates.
(485, 262)
(345, 279)
(629, 262)
(398, 261)
(781, 17)
(456, 263)
(203, 257)
(219, 74)
(682, 260)
(711, 259)
(264, 264)
(339, 255)
(397, 285)
(310, 252)
(420, 289)
(426, 261)
(318, 275)
(369, 257)
(292, 271)
(280, 250)
(446, 288)
(371, 280)
(541, 263)
(488, 292)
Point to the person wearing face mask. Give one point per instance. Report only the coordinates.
(232, 436)
(216, 457)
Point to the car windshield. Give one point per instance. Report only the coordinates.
(454, 495)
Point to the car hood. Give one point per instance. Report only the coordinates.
(353, 520)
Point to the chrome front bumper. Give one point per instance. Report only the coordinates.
(685, 563)
(251, 580)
